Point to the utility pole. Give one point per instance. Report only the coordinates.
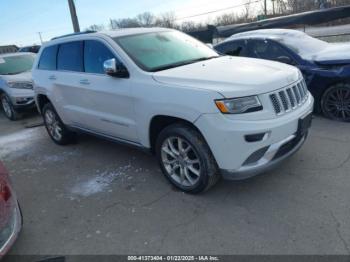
(41, 39)
(265, 7)
(73, 14)
(273, 6)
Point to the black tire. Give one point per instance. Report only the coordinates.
(208, 175)
(65, 136)
(8, 109)
(335, 102)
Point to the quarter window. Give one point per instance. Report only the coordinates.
(70, 57)
(48, 58)
(95, 54)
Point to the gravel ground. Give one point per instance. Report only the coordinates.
(96, 197)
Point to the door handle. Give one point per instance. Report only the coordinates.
(52, 77)
(84, 82)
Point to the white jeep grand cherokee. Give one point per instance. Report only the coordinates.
(202, 114)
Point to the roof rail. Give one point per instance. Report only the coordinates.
(79, 33)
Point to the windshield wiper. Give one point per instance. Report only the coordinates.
(161, 68)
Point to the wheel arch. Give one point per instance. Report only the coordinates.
(41, 101)
(159, 122)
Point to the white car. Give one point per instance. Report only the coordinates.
(202, 114)
(16, 88)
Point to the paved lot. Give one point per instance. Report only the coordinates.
(97, 197)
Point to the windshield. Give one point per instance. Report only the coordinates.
(304, 45)
(11, 65)
(163, 50)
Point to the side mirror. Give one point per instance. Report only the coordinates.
(285, 60)
(112, 68)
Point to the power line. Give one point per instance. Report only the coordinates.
(217, 10)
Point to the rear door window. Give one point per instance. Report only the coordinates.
(70, 57)
(95, 54)
(48, 58)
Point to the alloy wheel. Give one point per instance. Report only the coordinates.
(53, 125)
(181, 161)
(337, 103)
(7, 107)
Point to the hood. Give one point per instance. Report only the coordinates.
(334, 54)
(22, 77)
(231, 76)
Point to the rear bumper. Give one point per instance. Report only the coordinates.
(272, 158)
(16, 229)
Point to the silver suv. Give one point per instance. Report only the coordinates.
(16, 88)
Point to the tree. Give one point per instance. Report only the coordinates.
(247, 7)
(95, 27)
(146, 19)
(225, 19)
(124, 23)
(166, 20)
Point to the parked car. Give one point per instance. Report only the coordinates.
(161, 90)
(31, 49)
(16, 88)
(326, 67)
(10, 214)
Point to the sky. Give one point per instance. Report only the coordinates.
(22, 20)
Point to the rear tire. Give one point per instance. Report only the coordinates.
(185, 159)
(58, 132)
(335, 103)
(8, 109)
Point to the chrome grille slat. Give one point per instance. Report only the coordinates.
(296, 93)
(288, 99)
(300, 88)
(291, 97)
(283, 98)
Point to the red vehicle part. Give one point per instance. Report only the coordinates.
(10, 215)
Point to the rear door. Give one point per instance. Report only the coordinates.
(66, 81)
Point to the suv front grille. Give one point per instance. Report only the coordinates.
(289, 98)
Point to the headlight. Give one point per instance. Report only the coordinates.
(20, 85)
(239, 105)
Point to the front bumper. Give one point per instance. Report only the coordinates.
(14, 230)
(272, 158)
(22, 99)
(23, 103)
(240, 158)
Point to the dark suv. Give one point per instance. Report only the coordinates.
(326, 67)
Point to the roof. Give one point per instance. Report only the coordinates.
(268, 34)
(133, 31)
(113, 33)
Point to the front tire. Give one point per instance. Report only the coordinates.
(185, 159)
(8, 109)
(335, 103)
(55, 127)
